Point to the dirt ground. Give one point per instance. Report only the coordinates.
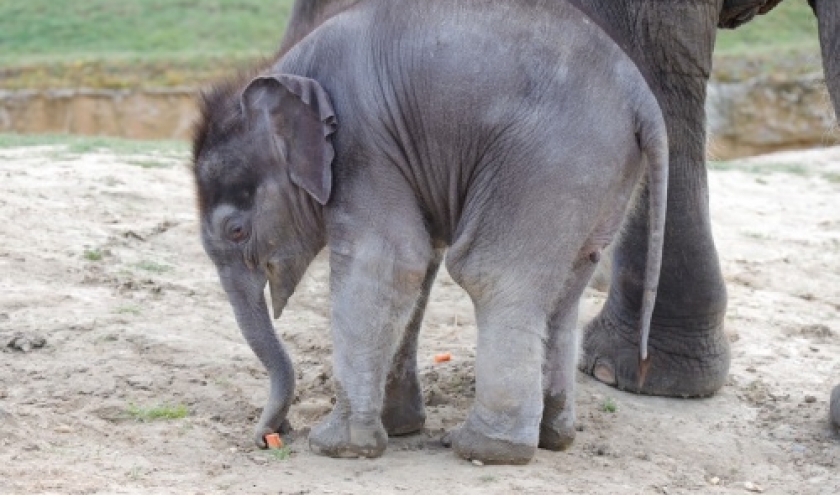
(111, 314)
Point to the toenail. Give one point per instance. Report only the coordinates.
(604, 374)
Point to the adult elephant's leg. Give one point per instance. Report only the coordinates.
(403, 412)
(688, 349)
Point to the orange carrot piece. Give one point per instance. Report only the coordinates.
(274, 441)
(443, 356)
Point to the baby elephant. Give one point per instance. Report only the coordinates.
(513, 134)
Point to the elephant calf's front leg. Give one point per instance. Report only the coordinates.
(375, 288)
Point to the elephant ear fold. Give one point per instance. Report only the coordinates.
(302, 120)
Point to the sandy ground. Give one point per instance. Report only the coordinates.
(147, 325)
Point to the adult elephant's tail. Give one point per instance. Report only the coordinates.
(653, 138)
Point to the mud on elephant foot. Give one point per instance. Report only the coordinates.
(557, 428)
(471, 442)
(475, 446)
(404, 412)
(834, 408)
(688, 361)
(337, 435)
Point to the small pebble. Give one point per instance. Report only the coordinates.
(714, 480)
(63, 429)
(810, 399)
(752, 487)
(478, 463)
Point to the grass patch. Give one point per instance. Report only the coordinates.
(759, 236)
(832, 177)
(165, 411)
(76, 144)
(152, 43)
(760, 169)
(791, 26)
(93, 254)
(151, 266)
(609, 405)
(128, 310)
(281, 454)
(148, 163)
(54, 30)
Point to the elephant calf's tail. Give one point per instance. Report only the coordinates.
(653, 137)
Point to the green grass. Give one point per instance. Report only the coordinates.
(791, 26)
(151, 266)
(128, 310)
(148, 163)
(76, 144)
(609, 405)
(93, 254)
(165, 411)
(118, 44)
(780, 43)
(49, 30)
(832, 177)
(281, 454)
(760, 168)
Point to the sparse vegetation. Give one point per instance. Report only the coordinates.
(281, 454)
(131, 310)
(165, 411)
(93, 254)
(832, 177)
(149, 163)
(760, 168)
(609, 405)
(151, 266)
(77, 145)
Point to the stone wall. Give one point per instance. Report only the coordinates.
(761, 115)
(745, 118)
(142, 114)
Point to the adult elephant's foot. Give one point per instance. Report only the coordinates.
(557, 428)
(688, 360)
(338, 436)
(835, 406)
(404, 412)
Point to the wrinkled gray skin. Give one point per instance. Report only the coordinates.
(512, 135)
(672, 41)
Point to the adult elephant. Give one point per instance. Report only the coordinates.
(672, 42)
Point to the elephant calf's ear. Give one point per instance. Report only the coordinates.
(303, 118)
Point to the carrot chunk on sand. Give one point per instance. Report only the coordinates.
(443, 356)
(274, 441)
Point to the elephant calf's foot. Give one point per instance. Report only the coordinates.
(339, 437)
(684, 362)
(261, 431)
(557, 428)
(404, 412)
(474, 445)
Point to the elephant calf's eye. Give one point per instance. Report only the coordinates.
(236, 233)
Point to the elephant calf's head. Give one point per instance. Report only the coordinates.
(262, 164)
